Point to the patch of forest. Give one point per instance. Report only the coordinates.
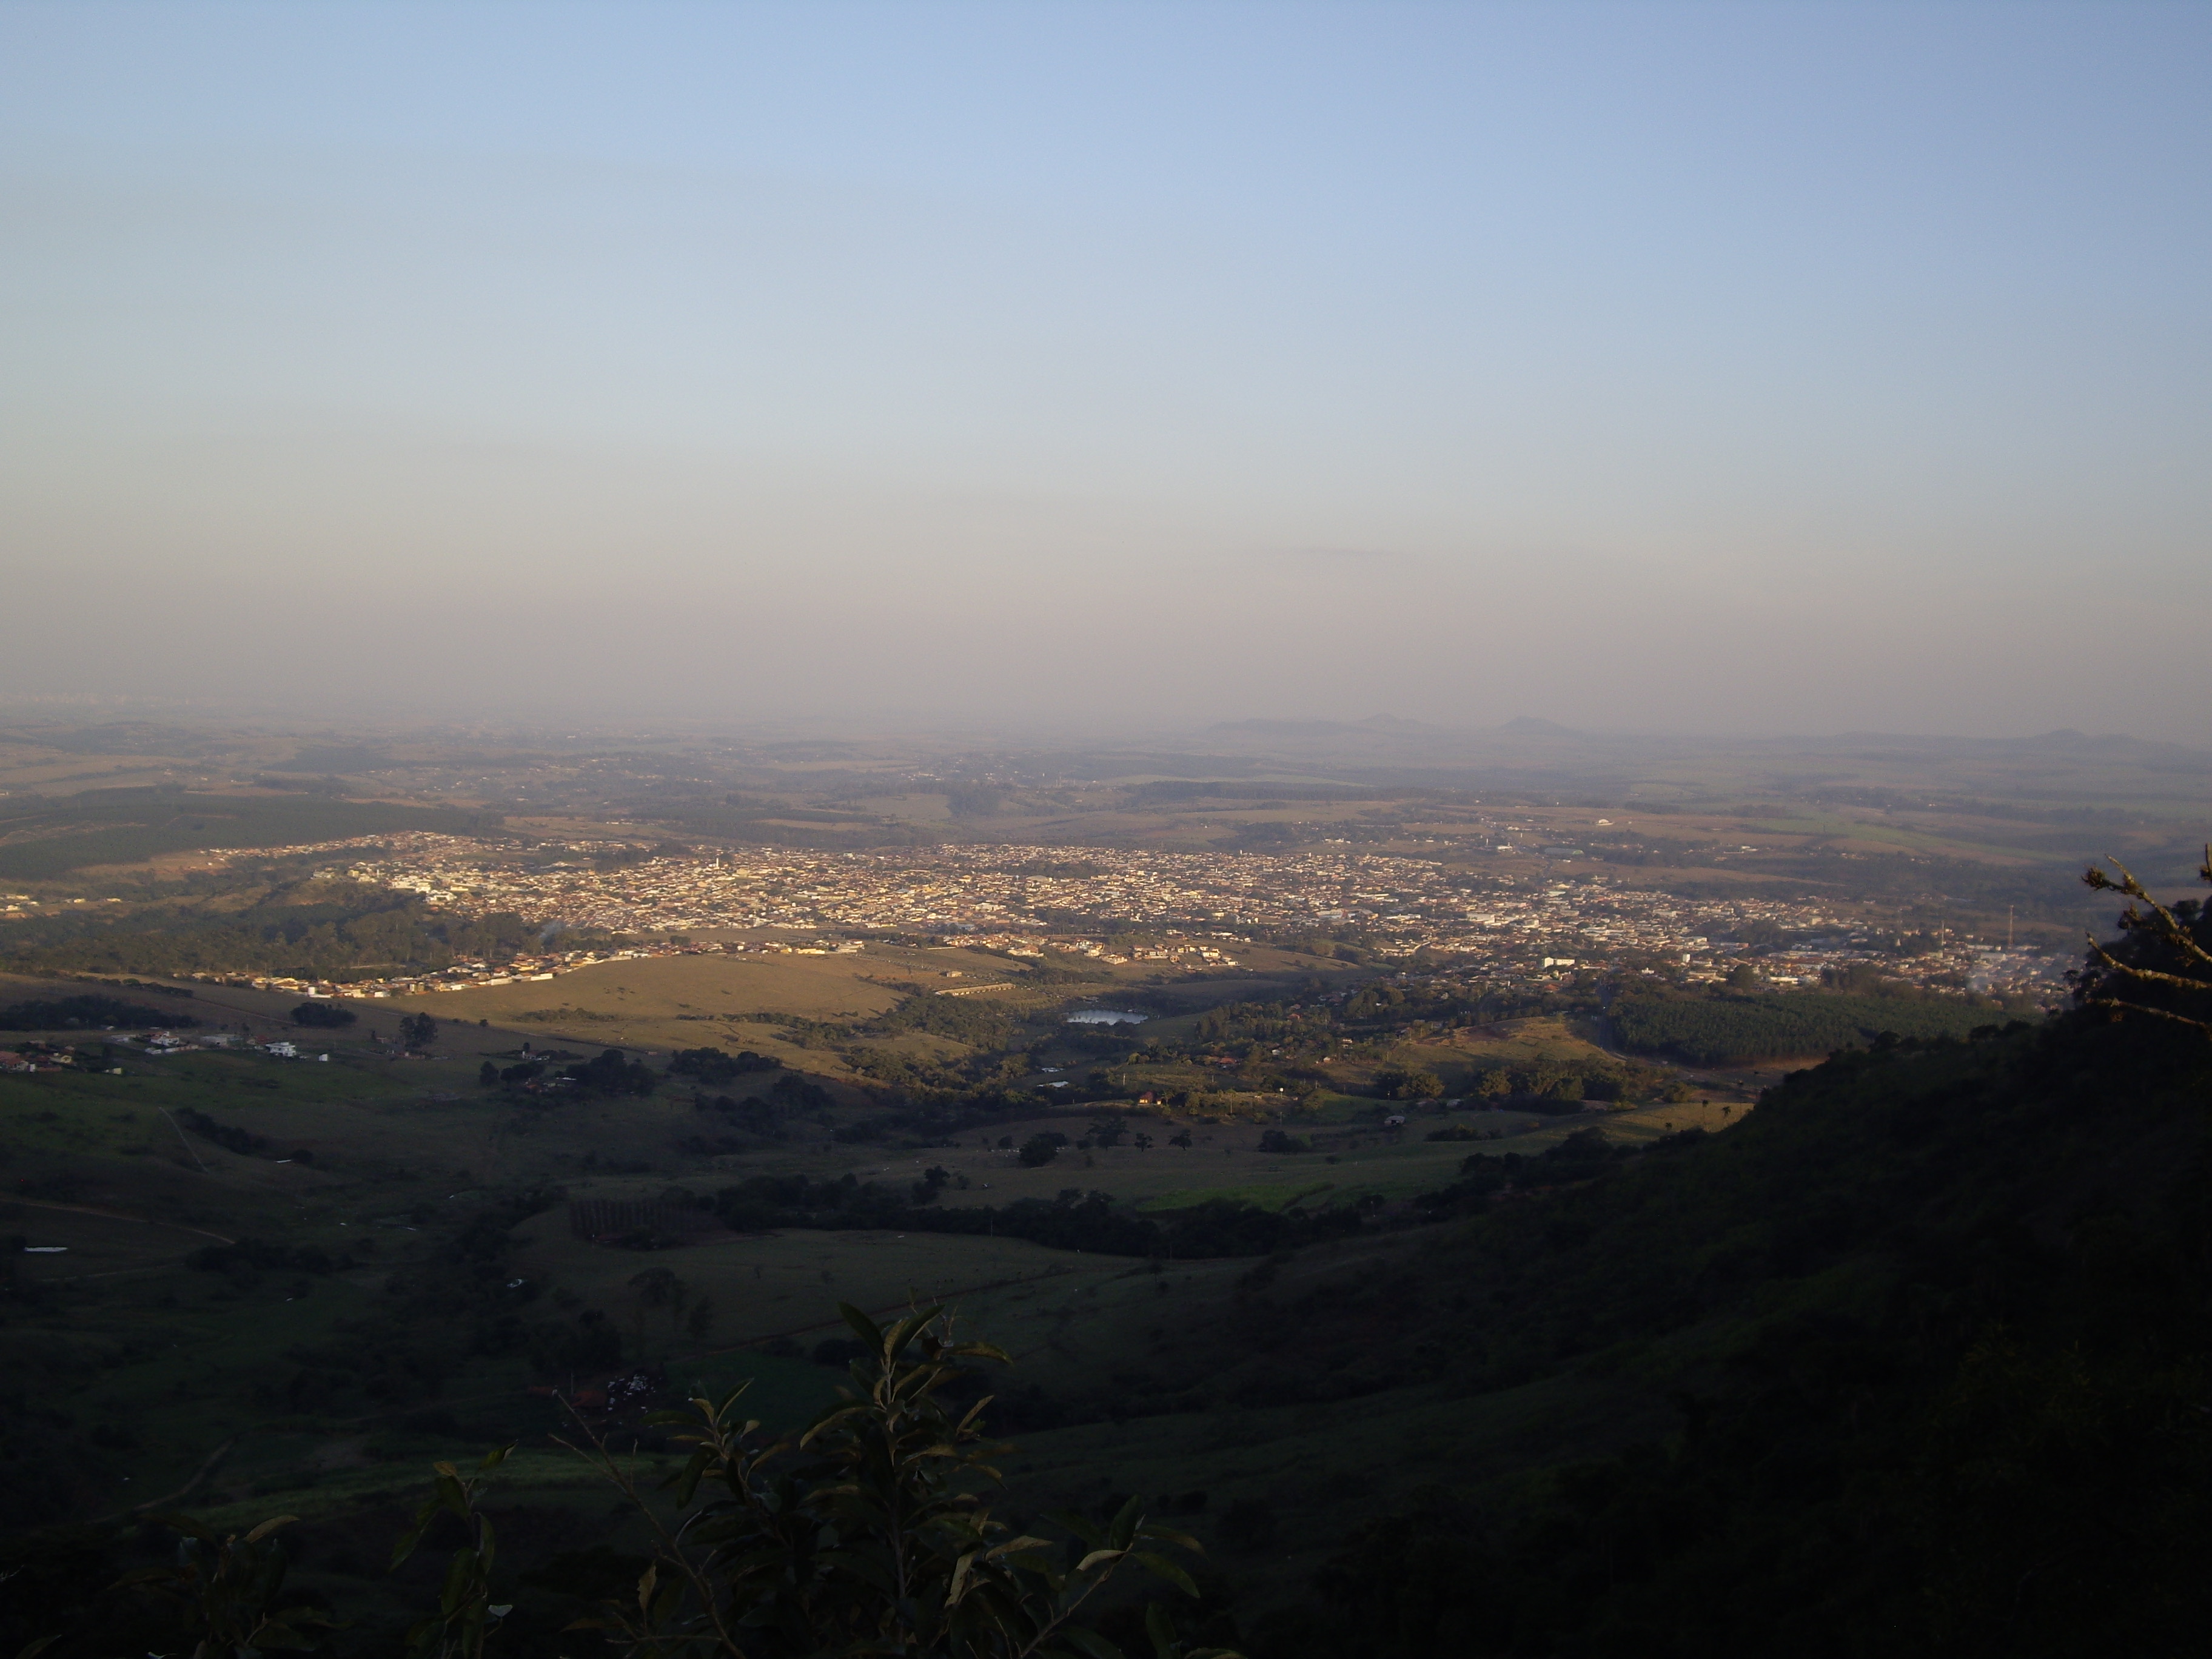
(49, 837)
(1075, 1220)
(319, 939)
(86, 1012)
(1732, 1028)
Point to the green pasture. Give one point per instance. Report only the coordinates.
(787, 1283)
(127, 1340)
(94, 1245)
(1313, 1464)
(1918, 840)
(162, 1357)
(1266, 1195)
(406, 1479)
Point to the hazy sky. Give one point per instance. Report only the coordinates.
(1761, 368)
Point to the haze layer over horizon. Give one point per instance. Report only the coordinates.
(1722, 368)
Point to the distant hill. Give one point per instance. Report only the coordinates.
(1279, 728)
(48, 836)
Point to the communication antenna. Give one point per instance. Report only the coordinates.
(2008, 928)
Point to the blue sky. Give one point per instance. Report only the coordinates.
(1751, 367)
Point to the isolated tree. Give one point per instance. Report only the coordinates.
(488, 1076)
(1408, 1083)
(417, 1031)
(615, 1073)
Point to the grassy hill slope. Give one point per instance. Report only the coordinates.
(1932, 1325)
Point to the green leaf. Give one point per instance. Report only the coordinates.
(1080, 1524)
(450, 1492)
(830, 1418)
(459, 1579)
(412, 1536)
(1160, 1566)
(1161, 1629)
(1182, 1540)
(897, 1336)
(688, 1478)
(663, 1605)
(961, 1569)
(271, 1634)
(1096, 1558)
(270, 1526)
(1125, 1523)
(863, 1327)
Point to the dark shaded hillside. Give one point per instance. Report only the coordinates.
(1934, 1319)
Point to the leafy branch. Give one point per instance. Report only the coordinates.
(466, 1615)
(222, 1588)
(2163, 953)
(871, 1534)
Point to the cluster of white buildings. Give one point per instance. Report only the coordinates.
(1195, 906)
(1190, 910)
(146, 1045)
